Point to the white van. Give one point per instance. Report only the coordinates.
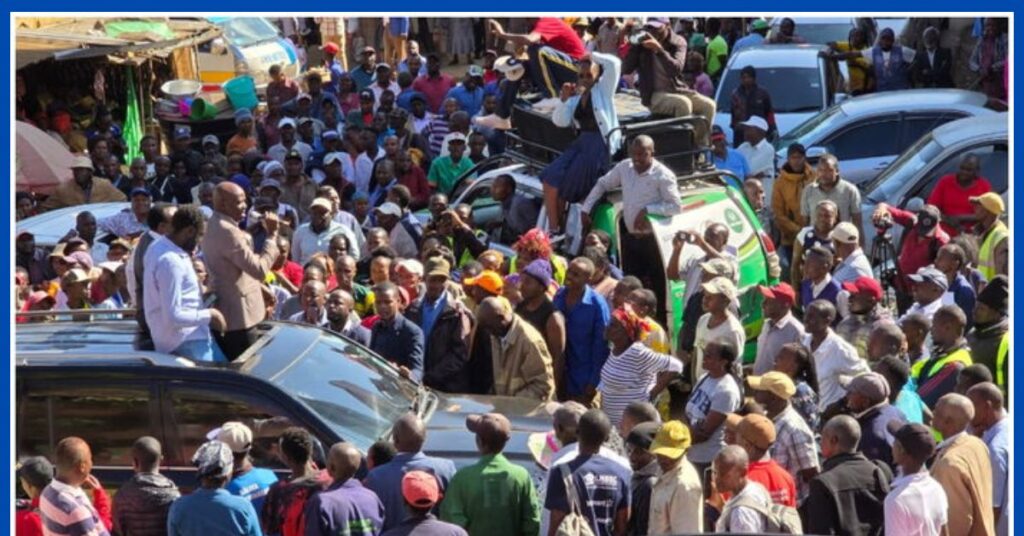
(249, 45)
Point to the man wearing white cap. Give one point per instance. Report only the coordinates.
(718, 322)
(760, 154)
(402, 239)
(315, 236)
(286, 128)
(248, 482)
(83, 189)
(853, 263)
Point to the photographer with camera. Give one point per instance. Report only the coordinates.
(659, 54)
(921, 242)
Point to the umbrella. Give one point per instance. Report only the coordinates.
(41, 162)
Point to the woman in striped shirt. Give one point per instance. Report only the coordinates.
(631, 369)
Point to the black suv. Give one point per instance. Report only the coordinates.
(87, 380)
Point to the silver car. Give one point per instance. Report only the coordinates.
(912, 177)
(49, 227)
(801, 83)
(868, 132)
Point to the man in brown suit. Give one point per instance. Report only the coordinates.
(963, 468)
(522, 364)
(83, 188)
(236, 271)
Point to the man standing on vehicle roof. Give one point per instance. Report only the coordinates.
(659, 57)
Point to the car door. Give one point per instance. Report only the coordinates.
(109, 414)
(865, 147)
(193, 409)
(916, 125)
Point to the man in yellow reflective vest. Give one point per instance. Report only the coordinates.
(990, 339)
(993, 236)
(937, 375)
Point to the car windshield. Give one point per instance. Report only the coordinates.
(793, 90)
(913, 160)
(810, 129)
(245, 31)
(354, 391)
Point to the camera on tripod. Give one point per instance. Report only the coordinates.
(882, 225)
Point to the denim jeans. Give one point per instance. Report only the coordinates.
(201, 350)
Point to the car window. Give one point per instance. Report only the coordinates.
(887, 185)
(793, 90)
(195, 412)
(246, 31)
(916, 127)
(109, 418)
(995, 163)
(866, 140)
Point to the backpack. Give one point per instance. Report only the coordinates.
(574, 523)
(778, 518)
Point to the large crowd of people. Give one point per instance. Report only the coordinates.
(859, 414)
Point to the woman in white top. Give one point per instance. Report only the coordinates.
(717, 322)
(629, 373)
(716, 395)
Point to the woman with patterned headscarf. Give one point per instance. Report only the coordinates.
(630, 372)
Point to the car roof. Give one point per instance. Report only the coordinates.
(909, 100)
(970, 128)
(49, 227)
(86, 344)
(798, 56)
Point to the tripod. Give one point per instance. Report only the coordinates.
(883, 257)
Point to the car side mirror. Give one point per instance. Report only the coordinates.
(218, 47)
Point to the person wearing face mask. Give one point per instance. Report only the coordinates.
(177, 319)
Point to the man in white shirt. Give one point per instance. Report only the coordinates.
(648, 187)
(833, 357)
(177, 319)
(760, 154)
(854, 263)
(730, 468)
(159, 222)
(315, 236)
(286, 127)
(929, 286)
(916, 504)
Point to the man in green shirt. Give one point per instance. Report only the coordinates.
(446, 169)
(718, 48)
(492, 497)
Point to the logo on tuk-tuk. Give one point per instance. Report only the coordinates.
(733, 220)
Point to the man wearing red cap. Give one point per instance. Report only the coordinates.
(334, 63)
(421, 492)
(864, 304)
(780, 326)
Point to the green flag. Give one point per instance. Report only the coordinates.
(132, 131)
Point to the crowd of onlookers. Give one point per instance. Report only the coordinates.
(871, 404)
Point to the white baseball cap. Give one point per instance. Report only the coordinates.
(390, 209)
(237, 436)
(331, 158)
(286, 122)
(757, 122)
(846, 233)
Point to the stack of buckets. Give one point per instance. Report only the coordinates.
(241, 92)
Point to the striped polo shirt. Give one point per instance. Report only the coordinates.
(65, 510)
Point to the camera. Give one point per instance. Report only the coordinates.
(638, 36)
(883, 224)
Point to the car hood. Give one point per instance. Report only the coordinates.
(447, 436)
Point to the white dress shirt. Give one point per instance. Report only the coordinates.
(123, 224)
(853, 266)
(761, 159)
(174, 310)
(306, 242)
(916, 506)
(834, 358)
(654, 190)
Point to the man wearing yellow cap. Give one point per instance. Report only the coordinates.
(994, 249)
(677, 503)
